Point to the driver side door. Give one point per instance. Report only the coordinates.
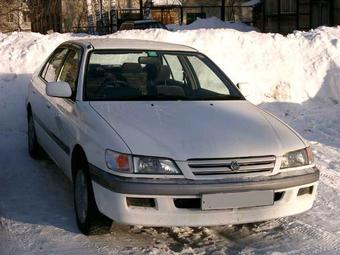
(41, 103)
(63, 110)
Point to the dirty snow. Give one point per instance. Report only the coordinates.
(295, 77)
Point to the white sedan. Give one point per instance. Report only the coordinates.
(155, 134)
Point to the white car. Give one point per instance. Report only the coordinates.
(155, 134)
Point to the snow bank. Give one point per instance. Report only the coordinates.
(212, 22)
(295, 68)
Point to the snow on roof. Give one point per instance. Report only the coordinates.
(251, 3)
(143, 21)
(113, 43)
(166, 2)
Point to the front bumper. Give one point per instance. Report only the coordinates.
(111, 194)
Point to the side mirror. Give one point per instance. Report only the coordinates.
(244, 88)
(58, 89)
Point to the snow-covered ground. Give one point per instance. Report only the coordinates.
(295, 77)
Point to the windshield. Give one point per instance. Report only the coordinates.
(155, 75)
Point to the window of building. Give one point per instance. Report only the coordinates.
(10, 18)
(25, 16)
(286, 6)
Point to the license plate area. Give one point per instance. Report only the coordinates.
(221, 201)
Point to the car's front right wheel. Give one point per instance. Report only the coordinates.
(89, 219)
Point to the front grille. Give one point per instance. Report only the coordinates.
(231, 166)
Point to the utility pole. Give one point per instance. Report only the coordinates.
(148, 10)
(90, 22)
(223, 10)
(140, 9)
(113, 16)
(101, 9)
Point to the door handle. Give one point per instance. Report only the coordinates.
(48, 105)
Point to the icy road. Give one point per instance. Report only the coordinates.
(36, 209)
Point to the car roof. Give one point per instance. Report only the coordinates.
(145, 21)
(142, 21)
(133, 44)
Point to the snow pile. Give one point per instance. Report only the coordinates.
(212, 22)
(292, 69)
(23, 53)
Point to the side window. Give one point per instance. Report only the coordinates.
(175, 66)
(52, 69)
(69, 71)
(207, 78)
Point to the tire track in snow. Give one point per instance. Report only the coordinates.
(286, 235)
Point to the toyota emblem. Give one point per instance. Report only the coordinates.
(234, 166)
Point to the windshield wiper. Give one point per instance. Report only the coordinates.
(229, 97)
(163, 97)
(155, 97)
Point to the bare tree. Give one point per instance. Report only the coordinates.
(74, 15)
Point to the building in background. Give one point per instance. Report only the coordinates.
(104, 16)
(187, 11)
(92, 16)
(14, 16)
(285, 16)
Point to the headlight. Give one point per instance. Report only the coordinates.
(118, 162)
(297, 158)
(149, 165)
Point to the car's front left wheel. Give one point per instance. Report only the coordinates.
(89, 219)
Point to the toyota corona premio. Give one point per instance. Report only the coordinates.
(155, 134)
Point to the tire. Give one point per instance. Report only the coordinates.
(34, 149)
(89, 219)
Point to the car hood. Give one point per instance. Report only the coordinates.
(184, 130)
